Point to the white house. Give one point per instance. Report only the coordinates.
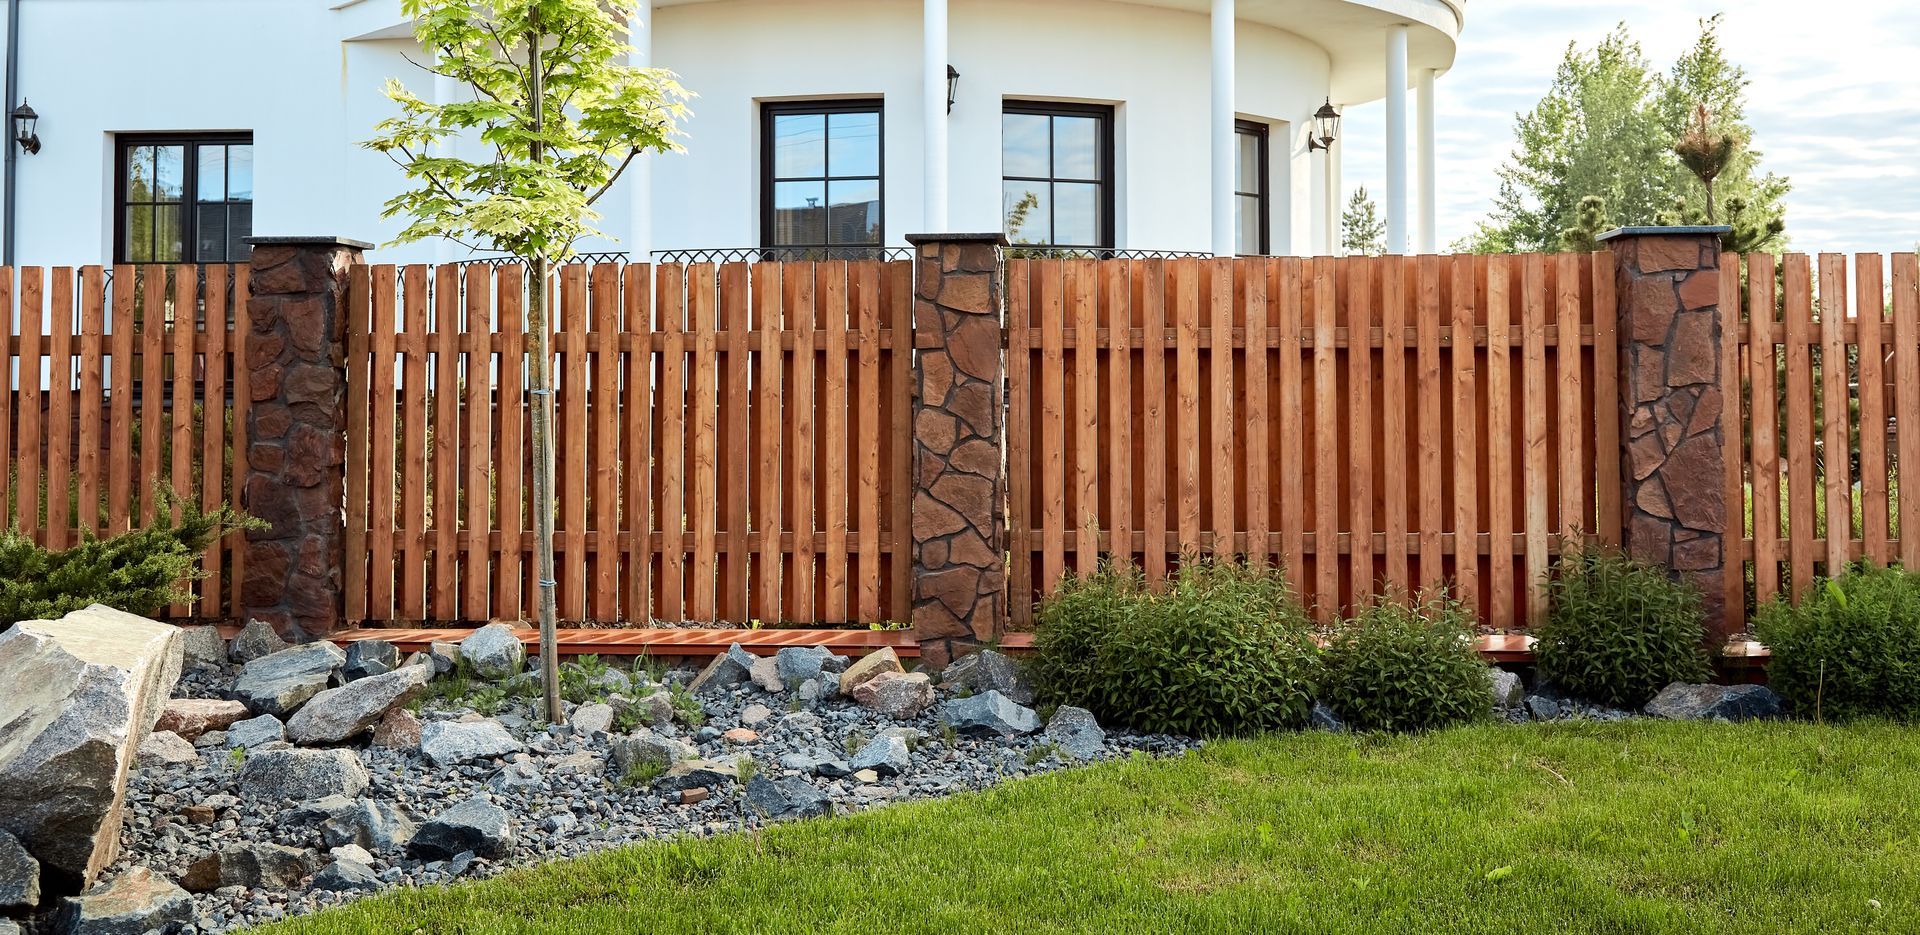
(169, 129)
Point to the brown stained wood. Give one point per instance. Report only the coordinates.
(703, 509)
(1116, 301)
(1906, 359)
(899, 539)
(1835, 449)
(1429, 519)
(768, 419)
(186, 301)
(213, 434)
(1220, 303)
(1870, 294)
(1292, 309)
(1326, 444)
(1151, 297)
(1566, 358)
(510, 465)
(478, 495)
(93, 389)
(1082, 296)
(445, 441)
(1259, 413)
(243, 398)
(1798, 316)
(28, 397)
(1533, 408)
(575, 438)
(415, 429)
(736, 458)
(867, 447)
(670, 401)
(800, 281)
(121, 493)
(1394, 303)
(1734, 574)
(1052, 459)
(1466, 445)
(1762, 374)
(358, 447)
(604, 298)
(833, 312)
(1020, 585)
(1499, 442)
(1606, 396)
(153, 362)
(1186, 417)
(59, 412)
(1361, 414)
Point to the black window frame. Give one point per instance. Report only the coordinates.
(190, 144)
(852, 105)
(1105, 158)
(1260, 132)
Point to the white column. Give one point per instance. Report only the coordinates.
(639, 179)
(1425, 237)
(933, 77)
(1336, 196)
(1223, 148)
(1396, 206)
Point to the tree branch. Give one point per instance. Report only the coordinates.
(624, 163)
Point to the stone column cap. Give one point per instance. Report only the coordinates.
(996, 238)
(1683, 230)
(308, 241)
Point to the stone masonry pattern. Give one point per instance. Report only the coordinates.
(959, 572)
(296, 433)
(1673, 456)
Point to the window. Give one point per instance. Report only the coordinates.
(184, 198)
(1057, 174)
(1250, 188)
(820, 177)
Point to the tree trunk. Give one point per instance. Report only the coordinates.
(540, 399)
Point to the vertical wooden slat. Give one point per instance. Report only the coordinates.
(59, 412)
(736, 455)
(1733, 577)
(799, 288)
(1466, 447)
(1326, 444)
(604, 298)
(446, 457)
(1870, 294)
(1291, 288)
(1762, 374)
(636, 444)
(1906, 361)
(186, 299)
(1606, 398)
(575, 394)
(153, 335)
(414, 431)
(1566, 357)
(1798, 315)
(767, 508)
(1052, 459)
(92, 388)
(242, 399)
(1258, 414)
(359, 446)
(1428, 395)
(1499, 444)
(1533, 329)
(834, 310)
(1187, 311)
(900, 319)
(868, 444)
(120, 473)
(1116, 297)
(1082, 292)
(1220, 463)
(1360, 419)
(1835, 450)
(1020, 585)
(1152, 299)
(1393, 426)
(7, 399)
(670, 402)
(479, 448)
(703, 510)
(213, 434)
(509, 465)
(26, 497)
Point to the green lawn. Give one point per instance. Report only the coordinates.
(1618, 828)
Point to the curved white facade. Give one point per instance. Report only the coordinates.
(304, 77)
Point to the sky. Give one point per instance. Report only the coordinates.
(1834, 103)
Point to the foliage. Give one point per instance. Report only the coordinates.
(1608, 127)
(580, 679)
(1225, 649)
(1402, 666)
(1848, 649)
(1618, 630)
(139, 571)
(640, 774)
(1363, 232)
(744, 768)
(1590, 221)
(686, 707)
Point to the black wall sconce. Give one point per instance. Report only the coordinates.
(953, 86)
(1326, 126)
(24, 122)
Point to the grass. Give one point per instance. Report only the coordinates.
(1569, 828)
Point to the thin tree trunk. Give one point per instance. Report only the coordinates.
(540, 399)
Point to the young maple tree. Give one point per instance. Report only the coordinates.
(562, 116)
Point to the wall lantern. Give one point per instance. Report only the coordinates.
(1326, 126)
(953, 86)
(24, 120)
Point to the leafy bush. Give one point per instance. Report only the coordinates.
(1848, 650)
(1619, 630)
(1224, 650)
(1406, 667)
(139, 571)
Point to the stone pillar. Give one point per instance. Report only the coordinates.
(959, 473)
(1673, 446)
(296, 432)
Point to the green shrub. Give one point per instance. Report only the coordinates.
(1406, 667)
(1848, 650)
(1224, 650)
(139, 571)
(1619, 630)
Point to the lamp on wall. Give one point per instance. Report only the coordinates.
(953, 86)
(24, 120)
(1326, 126)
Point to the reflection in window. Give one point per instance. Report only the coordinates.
(185, 199)
(1056, 169)
(821, 173)
(1250, 188)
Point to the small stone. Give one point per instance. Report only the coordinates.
(280, 683)
(295, 775)
(592, 718)
(494, 652)
(765, 673)
(346, 876)
(138, 900)
(648, 748)
(655, 709)
(203, 647)
(473, 825)
(398, 729)
(897, 695)
(520, 774)
(192, 717)
(353, 852)
(450, 742)
(1076, 731)
(1507, 691)
(796, 664)
(755, 714)
(728, 669)
(786, 798)
(257, 639)
(274, 866)
(687, 774)
(694, 795)
(868, 666)
(1681, 701)
(376, 826)
(832, 769)
(866, 776)
(198, 814)
(987, 670)
(559, 823)
(165, 748)
(367, 658)
(1542, 708)
(741, 735)
(19, 875)
(444, 656)
(988, 714)
(886, 755)
(254, 732)
(1322, 717)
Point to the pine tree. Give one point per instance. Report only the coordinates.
(1362, 231)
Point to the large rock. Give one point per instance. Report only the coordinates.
(726, 670)
(280, 683)
(473, 825)
(274, 866)
(449, 742)
(258, 639)
(868, 666)
(202, 647)
(765, 673)
(493, 652)
(695, 774)
(77, 696)
(294, 775)
(1076, 731)
(135, 902)
(898, 695)
(345, 876)
(988, 714)
(886, 755)
(399, 728)
(191, 717)
(792, 797)
(165, 748)
(19, 875)
(255, 731)
(1508, 693)
(986, 671)
(368, 658)
(339, 714)
(647, 748)
(796, 664)
(368, 824)
(1681, 701)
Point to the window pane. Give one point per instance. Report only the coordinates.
(853, 144)
(210, 233)
(240, 172)
(139, 234)
(1247, 167)
(1023, 146)
(211, 181)
(855, 212)
(799, 145)
(169, 172)
(1027, 211)
(1076, 148)
(1076, 213)
(166, 233)
(239, 228)
(1246, 219)
(140, 173)
(799, 213)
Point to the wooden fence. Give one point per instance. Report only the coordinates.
(733, 443)
(1364, 420)
(122, 381)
